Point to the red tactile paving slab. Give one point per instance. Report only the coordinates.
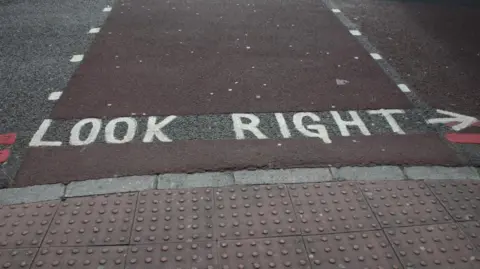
(472, 230)
(81, 257)
(433, 246)
(53, 164)
(403, 203)
(174, 216)
(23, 226)
(253, 212)
(460, 197)
(17, 258)
(270, 53)
(276, 252)
(331, 208)
(351, 251)
(172, 255)
(94, 220)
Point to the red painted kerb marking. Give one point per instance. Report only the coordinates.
(4, 155)
(463, 138)
(8, 139)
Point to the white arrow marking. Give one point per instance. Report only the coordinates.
(463, 120)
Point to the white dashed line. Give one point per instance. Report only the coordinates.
(336, 10)
(76, 58)
(376, 56)
(355, 32)
(403, 88)
(54, 96)
(107, 9)
(94, 31)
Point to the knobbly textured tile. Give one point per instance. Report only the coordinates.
(331, 207)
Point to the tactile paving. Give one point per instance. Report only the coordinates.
(275, 252)
(96, 220)
(404, 203)
(472, 230)
(460, 197)
(351, 250)
(174, 216)
(331, 208)
(254, 212)
(25, 225)
(17, 258)
(433, 246)
(81, 257)
(200, 255)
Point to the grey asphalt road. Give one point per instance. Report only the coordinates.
(433, 44)
(37, 39)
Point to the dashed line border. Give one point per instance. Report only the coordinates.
(220, 179)
(425, 110)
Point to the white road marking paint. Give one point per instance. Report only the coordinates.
(403, 88)
(112, 125)
(355, 32)
(38, 136)
(54, 96)
(463, 120)
(92, 136)
(356, 121)
(283, 125)
(387, 114)
(94, 31)
(336, 10)
(239, 127)
(312, 130)
(308, 124)
(341, 82)
(376, 56)
(154, 129)
(107, 9)
(76, 58)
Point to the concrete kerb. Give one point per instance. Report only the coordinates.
(220, 179)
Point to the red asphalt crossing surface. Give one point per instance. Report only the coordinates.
(173, 86)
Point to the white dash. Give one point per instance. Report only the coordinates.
(336, 10)
(355, 32)
(376, 56)
(54, 96)
(230, 90)
(76, 58)
(94, 31)
(403, 88)
(107, 9)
